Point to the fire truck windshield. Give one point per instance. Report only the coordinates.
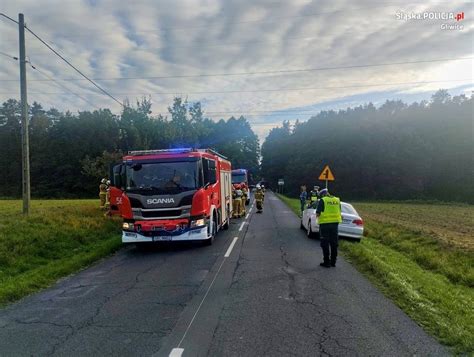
(163, 177)
(239, 178)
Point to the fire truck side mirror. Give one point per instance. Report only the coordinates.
(116, 176)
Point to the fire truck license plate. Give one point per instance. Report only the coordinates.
(161, 238)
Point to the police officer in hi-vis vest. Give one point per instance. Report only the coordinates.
(329, 217)
(314, 195)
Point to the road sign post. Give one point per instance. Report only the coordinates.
(326, 175)
(281, 183)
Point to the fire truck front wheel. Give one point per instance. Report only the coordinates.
(227, 223)
(211, 232)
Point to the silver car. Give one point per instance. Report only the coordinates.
(352, 225)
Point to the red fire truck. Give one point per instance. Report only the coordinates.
(241, 176)
(172, 195)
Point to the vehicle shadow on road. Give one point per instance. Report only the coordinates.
(164, 247)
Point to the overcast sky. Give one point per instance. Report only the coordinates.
(184, 44)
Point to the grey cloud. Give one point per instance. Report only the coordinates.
(156, 38)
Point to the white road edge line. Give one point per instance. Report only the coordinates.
(231, 246)
(200, 305)
(176, 352)
(247, 216)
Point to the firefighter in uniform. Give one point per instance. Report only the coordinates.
(263, 191)
(103, 192)
(107, 195)
(329, 217)
(244, 199)
(237, 201)
(259, 199)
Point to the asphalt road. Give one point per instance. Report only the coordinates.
(265, 296)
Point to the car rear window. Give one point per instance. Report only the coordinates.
(347, 208)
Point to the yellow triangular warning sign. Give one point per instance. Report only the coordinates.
(326, 175)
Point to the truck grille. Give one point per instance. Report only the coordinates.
(161, 213)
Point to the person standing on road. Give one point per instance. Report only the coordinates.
(314, 195)
(238, 202)
(245, 193)
(329, 217)
(243, 197)
(107, 196)
(259, 199)
(103, 192)
(303, 197)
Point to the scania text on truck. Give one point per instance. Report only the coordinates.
(240, 176)
(172, 195)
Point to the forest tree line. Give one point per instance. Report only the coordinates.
(69, 153)
(397, 151)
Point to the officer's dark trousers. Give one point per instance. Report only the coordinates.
(329, 241)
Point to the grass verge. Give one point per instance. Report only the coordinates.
(420, 268)
(58, 238)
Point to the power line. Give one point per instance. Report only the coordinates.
(75, 68)
(60, 85)
(8, 17)
(302, 70)
(272, 90)
(200, 45)
(65, 60)
(50, 78)
(9, 56)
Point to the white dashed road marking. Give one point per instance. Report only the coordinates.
(176, 352)
(231, 246)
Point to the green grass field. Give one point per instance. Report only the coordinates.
(57, 239)
(423, 261)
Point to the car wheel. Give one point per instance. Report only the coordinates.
(309, 231)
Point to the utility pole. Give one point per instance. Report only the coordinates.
(25, 145)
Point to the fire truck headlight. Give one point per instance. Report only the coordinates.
(127, 226)
(198, 223)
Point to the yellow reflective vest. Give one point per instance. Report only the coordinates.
(332, 210)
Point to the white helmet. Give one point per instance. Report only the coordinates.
(103, 180)
(108, 182)
(258, 186)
